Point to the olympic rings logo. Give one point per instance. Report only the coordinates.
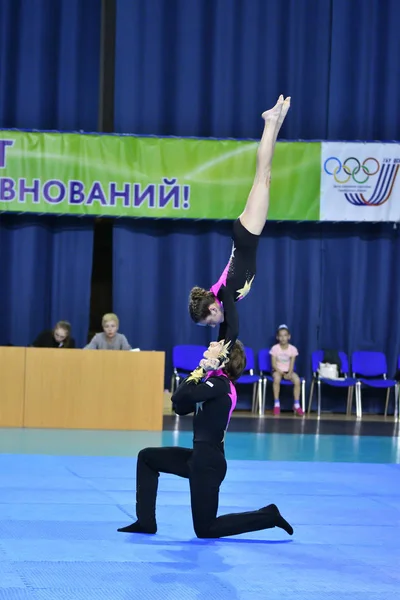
(351, 168)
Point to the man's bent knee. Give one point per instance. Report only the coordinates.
(203, 528)
(145, 454)
(202, 532)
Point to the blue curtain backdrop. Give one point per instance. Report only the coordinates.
(336, 286)
(210, 67)
(205, 67)
(49, 64)
(45, 274)
(364, 87)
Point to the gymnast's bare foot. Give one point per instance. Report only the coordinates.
(276, 115)
(273, 114)
(284, 111)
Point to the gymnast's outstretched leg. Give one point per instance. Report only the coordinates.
(256, 210)
(150, 463)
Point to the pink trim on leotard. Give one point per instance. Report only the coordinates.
(221, 281)
(224, 276)
(232, 395)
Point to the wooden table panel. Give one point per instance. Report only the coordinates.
(12, 386)
(94, 389)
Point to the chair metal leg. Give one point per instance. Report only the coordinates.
(253, 403)
(257, 398)
(260, 397)
(311, 395)
(356, 398)
(350, 394)
(358, 401)
(319, 398)
(254, 398)
(303, 395)
(264, 395)
(396, 402)
(387, 401)
(174, 382)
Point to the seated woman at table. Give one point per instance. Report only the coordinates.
(109, 339)
(58, 337)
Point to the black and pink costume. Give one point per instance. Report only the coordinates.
(212, 400)
(236, 281)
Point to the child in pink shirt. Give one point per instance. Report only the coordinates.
(283, 356)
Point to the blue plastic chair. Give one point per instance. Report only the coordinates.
(185, 359)
(370, 369)
(265, 366)
(249, 378)
(345, 382)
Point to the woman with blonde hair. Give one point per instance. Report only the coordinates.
(109, 339)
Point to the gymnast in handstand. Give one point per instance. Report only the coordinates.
(217, 305)
(212, 400)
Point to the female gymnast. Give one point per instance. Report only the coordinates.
(217, 306)
(212, 401)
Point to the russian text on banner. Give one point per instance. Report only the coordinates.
(128, 176)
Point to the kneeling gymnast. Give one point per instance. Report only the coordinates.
(212, 400)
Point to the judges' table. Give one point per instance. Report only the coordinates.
(84, 389)
(12, 386)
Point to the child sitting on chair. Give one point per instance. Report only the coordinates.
(283, 356)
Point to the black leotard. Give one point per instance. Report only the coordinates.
(235, 282)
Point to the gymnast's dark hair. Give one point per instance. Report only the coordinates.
(237, 361)
(200, 301)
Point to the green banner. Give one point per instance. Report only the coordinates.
(110, 175)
